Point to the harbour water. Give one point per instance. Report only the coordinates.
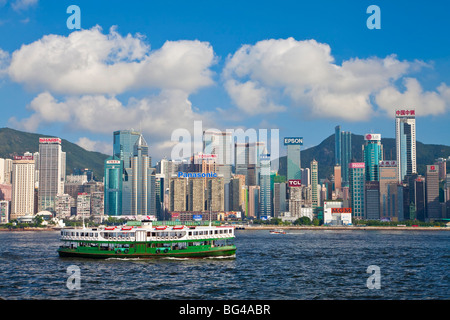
(299, 265)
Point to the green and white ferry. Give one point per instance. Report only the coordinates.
(143, 239)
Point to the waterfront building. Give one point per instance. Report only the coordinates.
(337, 146)
(279, 198)
(4, 211)
(83, 205)
(247, 160)
(22, 203)
(356, 189)
(177, 194)
(293, 159)
(405, 138)
(346, 155)
(64, 205)
(372, 154)
(253, 201)
(420, 198)
(142, 181)
(432, 193)
(314, 184)
(372, 200)
(52, 172)
(265, 190)
(113, 186)
(388, 176)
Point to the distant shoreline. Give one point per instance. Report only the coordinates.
(272, 227)
(345, 228)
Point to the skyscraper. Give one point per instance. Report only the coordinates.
(346, 155)
(123, 149)
(388, 178)
(293, 157)
(265, 194)
(314, 184)
(372, 154)
(113, 186)
(22, 187)
(372, 200)
(337, 146)
(405, 138)
(432, 192)
(356, 188)
(219, 144)
(247, 160)
(143, 180)
(52, 166)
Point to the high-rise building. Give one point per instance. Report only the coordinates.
(84, 204)
(123, 149)
(113, 186)
(346, 157)
(22, 203)
(219, 144)
(215, 192)
(265, 206)
(196, 194)
(372, 154)
(52, 166)
(253, 201)
(442, 164)
(356, 188)
(142, 180)
(405, 138)
(314, 184)
(279, 199)
(432, 192)
(337, 146)
(372, 200)
(420, 199)
(247, 160)
(293, 157)
(388, 176)
(177, 194)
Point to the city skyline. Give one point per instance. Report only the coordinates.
(232, 82)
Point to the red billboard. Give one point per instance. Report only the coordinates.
(23, 157)
(356, 165)
(50, 140)
(295, 183)
(341, 210)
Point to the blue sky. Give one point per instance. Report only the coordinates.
(306, 67)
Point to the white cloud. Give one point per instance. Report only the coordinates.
(414, 97)
(20, 5)
(90, 62)
(157, 116)
(303, 75)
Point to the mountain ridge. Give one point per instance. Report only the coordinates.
(14, 143)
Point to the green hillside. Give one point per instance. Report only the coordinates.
(324, 154)
(14, 142)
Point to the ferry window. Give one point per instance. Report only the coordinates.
(153, 234)
(148, 234)
(190, 233)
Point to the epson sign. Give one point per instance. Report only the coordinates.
(293, 141)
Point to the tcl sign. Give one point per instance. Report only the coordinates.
(341, 210)
(295, 183)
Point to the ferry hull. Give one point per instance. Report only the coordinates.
(66, 252)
